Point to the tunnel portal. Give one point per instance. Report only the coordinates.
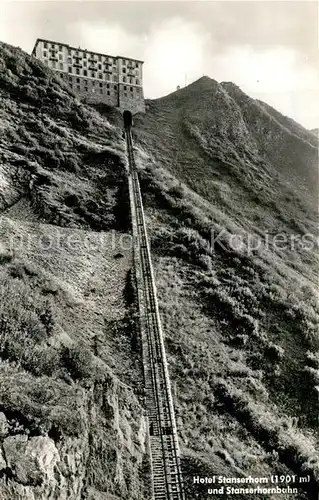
(127, 117)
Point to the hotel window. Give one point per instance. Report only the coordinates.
(60, 48)
(70, 69)
(124, 79)
(61, 65)
(124, 70)
(99, 66)
(77, 71)
(124, 62)
(69, 60)
(131, 80)
(115, 87)
(78, 87)
(131, 89)
(53, 64)
(101, 84)
(69, 51)
(85, 73)
(125, 94)
(60, 57)
(84, 55)
(108, 92)
(45, 45)
(78, 80)
(100, 76)
(52, 45)
(114, 78)
(107, 85)
(45, 54)
(100, 58)
(137, 82)
(86, 89)
(92, 74)
(85, 64)
(136, 65)
(124, 87)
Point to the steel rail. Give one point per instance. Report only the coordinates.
(165, 454)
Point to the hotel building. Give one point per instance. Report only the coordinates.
(95, 77)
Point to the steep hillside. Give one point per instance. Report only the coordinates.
(71, 424)
(230, 194)
(222, 175)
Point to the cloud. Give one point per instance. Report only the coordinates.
(174, 50)
(111, 39)
(276, 69)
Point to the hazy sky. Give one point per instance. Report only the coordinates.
(268, 48)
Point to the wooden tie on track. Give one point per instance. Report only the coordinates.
(165, 456)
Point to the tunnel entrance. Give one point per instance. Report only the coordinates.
(127, 117)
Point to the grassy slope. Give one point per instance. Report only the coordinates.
(67, 367)
(241, 330)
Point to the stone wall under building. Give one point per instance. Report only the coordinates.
(131, 99)
(92, 91)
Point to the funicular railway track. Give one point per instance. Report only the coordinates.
(165, 457)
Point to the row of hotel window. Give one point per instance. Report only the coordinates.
(92, 74)
(99, 66)
(86, 55)
(100, 86)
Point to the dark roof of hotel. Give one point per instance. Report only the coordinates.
(83, 50)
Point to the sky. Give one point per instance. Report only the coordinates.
(268, 48)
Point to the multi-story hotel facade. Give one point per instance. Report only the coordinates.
(95, 77)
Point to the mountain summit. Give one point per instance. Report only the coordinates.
(223, 117)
